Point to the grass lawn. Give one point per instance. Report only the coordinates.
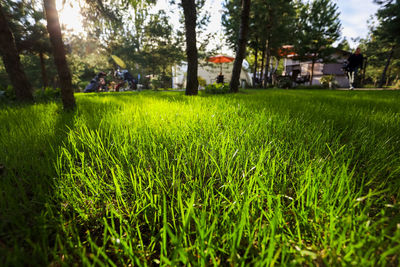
(262, 177)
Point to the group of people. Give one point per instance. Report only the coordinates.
(99, 84)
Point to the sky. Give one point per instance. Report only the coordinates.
(353, 15)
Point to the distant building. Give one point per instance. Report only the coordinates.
(209, 72)
(301, 70)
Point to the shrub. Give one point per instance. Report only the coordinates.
(396, 85)
(155, 84)
(47, 94)
(7, 93)
(284, 82)
(10, 93)
(328, 81)
(217, 88)
(82, 85)
(202, 81)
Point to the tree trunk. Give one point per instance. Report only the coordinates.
(12, 63)
(274, 73)
(189, 11)
(388, 76)
(45, 82)
(255, 64)
(312, 71)
(386, 67)
(241, 47)
(262, 66)
(53, 27)
(267, 63)
(363, 73)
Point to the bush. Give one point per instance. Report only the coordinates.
(217, 88)
(47, 94)
(202, 81)
(155, 84)
(328, 81)
(82, 85)
(7, 94)
(396, 85)
(284, 82)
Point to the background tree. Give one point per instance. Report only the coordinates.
(388, 30)
(271, 23)
(241, 46)
(26, 21)
(146, 42)
(161, 49)
(344, 45)
(53, 27)
(317, 29)
(11, 60)
(382, 60)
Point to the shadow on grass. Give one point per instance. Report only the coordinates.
(29, 143)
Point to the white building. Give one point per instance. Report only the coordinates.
(302, 69)
(209, 72)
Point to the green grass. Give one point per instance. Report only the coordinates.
(273, 177)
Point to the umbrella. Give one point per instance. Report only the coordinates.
(119, 61)
(220, 59)
(286, 51)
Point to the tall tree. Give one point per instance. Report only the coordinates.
(53, 27)
(189, 11)
(241, 46)
(270, 27)
(30, 34)
(388, 29)
(318, 28)
(20, 82)
(277, 25)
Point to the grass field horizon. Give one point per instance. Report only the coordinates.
(262, 177)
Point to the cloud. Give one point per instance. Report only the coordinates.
(354, 15)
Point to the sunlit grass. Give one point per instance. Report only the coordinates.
(261, 177)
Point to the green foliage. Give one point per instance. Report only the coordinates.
(318, 27)
(284, 82)
(377, 48)
(328, 81)
(202, 81)
(162, 81)
(389, 21)
(271, 26)
(48, 94)
(217, 88)
(8, 94)
(344, 45)
(396, 85)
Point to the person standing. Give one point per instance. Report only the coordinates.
(354, 63)
(220, 78)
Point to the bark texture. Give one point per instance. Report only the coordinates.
(54, 29)
(241, 46)
(12, 63)
(189, 11)
(382, 81)
(255, 64)
(45, 81)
